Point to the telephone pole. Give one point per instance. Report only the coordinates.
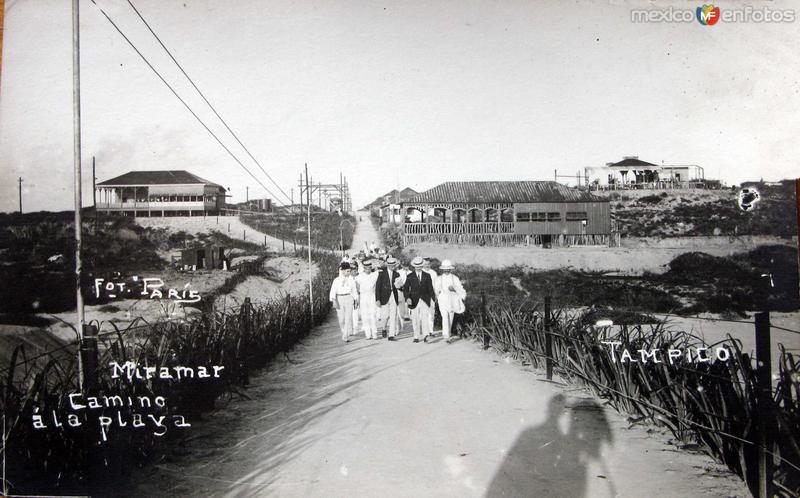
(76, 128)
(94, 187)
(20, 195)
(310, 274)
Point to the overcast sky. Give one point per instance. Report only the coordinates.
(392, 94)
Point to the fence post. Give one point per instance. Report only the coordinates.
(229, 228)
(265, 241)
(764, 403)
(245, 332)
(89, 358)
(283, 242)
(244, 234)
(483, 320)
(548, 339)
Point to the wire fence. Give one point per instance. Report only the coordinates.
(734, 409)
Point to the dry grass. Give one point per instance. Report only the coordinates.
(71, 460)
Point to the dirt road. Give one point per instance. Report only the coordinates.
(365, 232)
(380, 418)
(376, 418)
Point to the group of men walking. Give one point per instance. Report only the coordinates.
(382, 294)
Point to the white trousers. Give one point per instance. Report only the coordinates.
(388, 314)
(447, 321)
(356, 319)
(431, 314)
(369, 317)
(420, 320)
(345, 315)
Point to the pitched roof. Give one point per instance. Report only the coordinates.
(632, 161)
(172, 177)
(519, 191)
(393, 194)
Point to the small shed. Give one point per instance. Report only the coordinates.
(208, 257)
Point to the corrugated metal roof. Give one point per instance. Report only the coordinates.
(172, 177)
(520, 191)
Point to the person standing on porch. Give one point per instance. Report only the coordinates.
(451, 295)
(386, 298)
(343, 295)
(365, 282)
(420, 296)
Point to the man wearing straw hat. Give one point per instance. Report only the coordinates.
(365, 282)
(420, 296)
(386, 298)
(343, 295)
(450, 296)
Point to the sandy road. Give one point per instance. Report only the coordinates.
(380, 418)
(365, 232)
(376, 418)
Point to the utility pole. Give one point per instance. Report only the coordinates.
(310, 284)
(76, 128)
(94, 187)
(247, 195)
(20, 195)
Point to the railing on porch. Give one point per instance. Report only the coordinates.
(484, 227)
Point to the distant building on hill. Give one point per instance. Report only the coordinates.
(505, 213)
(160, 193)
(633, 173)
(387, 206)
(262, 205)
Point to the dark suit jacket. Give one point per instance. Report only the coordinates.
(416, 290)
(384, 286)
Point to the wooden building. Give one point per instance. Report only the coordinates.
(633, 173)
(202, 258)
(159, 193)
(506, 213)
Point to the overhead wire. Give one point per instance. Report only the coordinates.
(202, 95)
(174, 92)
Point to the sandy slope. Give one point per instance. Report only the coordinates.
(228, 225)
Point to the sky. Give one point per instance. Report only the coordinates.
(392, 94)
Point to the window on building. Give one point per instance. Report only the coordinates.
(553, 216)
(524, 216)
(538, 217)
(577, 216)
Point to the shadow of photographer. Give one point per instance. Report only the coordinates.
(547, 462)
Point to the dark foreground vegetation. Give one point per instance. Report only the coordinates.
(75, 460)
(711, 406)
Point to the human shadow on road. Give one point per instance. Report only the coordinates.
(545, 462)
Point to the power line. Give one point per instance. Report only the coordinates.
(182, 101)
(205, 99)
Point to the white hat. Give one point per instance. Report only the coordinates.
(446, 265)
(391, 261)
(417, 262)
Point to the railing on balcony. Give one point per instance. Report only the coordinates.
(459, 228)
(176, 205)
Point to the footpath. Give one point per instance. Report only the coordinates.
(379, 418)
